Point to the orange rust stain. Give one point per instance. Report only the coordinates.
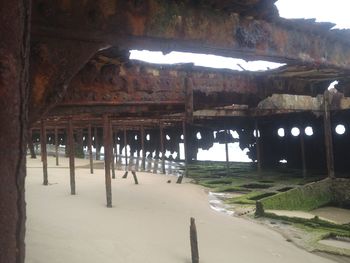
(137, 24)
(40, 84)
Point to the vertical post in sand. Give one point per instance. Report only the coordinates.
(56, 146)
(162, 148)
(125, 150)
(97, 144)
(184, 131)
(111, 142)
(135, 177)
(194, 241)
(143, 148)
(71, 156)
(227, 155)
(90, 150)
(258, 147)
(328, 136)
(43, 151)
(107, 147)
(303, 158)
(31, 145)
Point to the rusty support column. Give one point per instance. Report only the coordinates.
(302, 148)
(125, 150)
(258, 147)
(188, 100)
(31, 144)
(107, 148)
(71, 156)
(56, 146)
(328, 136)
(14, 64)
(227, 154)
(162, 148)
(97, 146)
(143, 148)
(111, 139)
(43, 151)
(194, 241)
(90, 150)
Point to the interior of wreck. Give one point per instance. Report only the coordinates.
(67, 79)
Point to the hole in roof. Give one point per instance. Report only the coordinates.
(335, 11)
(254, 133)
(135, 137)
(204, 60)
(340, 129)
(234, 134)
(148, 137)
(182, 136)
(283, 161)
(309, 131)
(199, 136)
(333, 84)
(281, 132)
(168, 137)
(295, 131)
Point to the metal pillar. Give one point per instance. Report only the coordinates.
(107, 148)
(56, 146)
(90, 150)
(43, 152)
(302, 148)
(143, 148)
(71, 156)
(227, 154)
(328, 136)
(258, 147)
(162, 148)
(125, 150)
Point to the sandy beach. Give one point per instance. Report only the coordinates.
(148, 222)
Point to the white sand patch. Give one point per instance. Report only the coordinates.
(149, 222)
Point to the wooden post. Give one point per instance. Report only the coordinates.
(44, 152)
(71, 156)
(125, 150)
(302, 148)
(258, 147)
(328, 136)
(56, 146)
(107, 147)
(227, 155)
(90, 150)
(111, 138)
(143, 148)
(162, 148)
(194, 241)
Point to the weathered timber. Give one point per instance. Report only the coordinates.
(71, 156)
(107, 147)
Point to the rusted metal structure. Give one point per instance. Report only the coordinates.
(66, 62)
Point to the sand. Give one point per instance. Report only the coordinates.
(149, 222)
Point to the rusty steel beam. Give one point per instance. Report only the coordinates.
(90, 150)
(107, 155)
(328, 135)
(184, 26)
(71, 157)
(43, 151)
(56, 146)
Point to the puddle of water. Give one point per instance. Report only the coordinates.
(335, 243)
(216, 203)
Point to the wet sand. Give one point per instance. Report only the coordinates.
(148, 223)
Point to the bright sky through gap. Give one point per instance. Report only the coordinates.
(335, 11)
